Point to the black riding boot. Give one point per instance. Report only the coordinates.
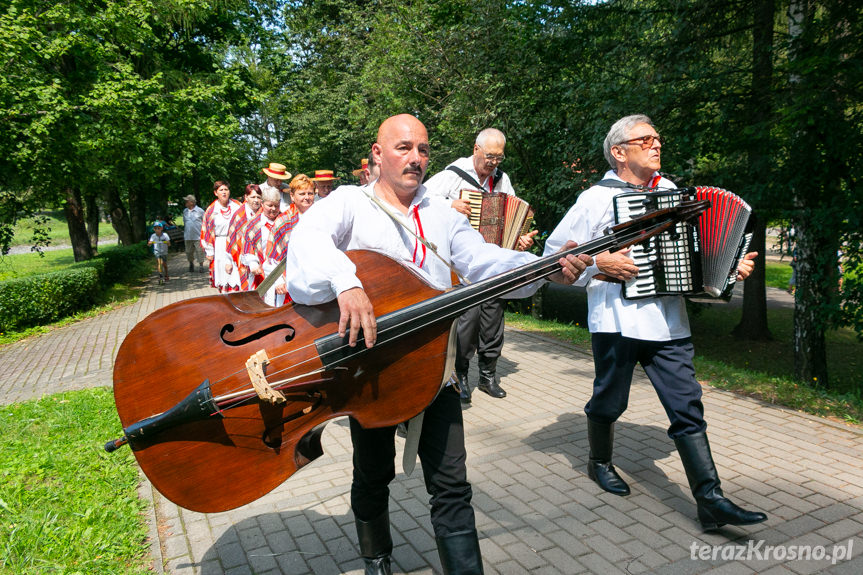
(714, 509)
(463, 386)
(599, 467)
(459, 553)
(376, 544)
(489, 383)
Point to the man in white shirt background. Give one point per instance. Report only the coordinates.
(480, 329)
(652, 331)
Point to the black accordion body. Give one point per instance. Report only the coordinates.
(692, 259)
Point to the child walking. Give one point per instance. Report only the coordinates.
(160, 242)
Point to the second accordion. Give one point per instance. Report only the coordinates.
(500, 218)
(692, 259)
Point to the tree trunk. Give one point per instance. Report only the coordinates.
(813, 290)
(92, 212)
(119, 217)
(74, 210)
(812, 293)
(753, 321)
(138, 214)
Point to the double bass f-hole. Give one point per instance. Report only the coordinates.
(228, 328)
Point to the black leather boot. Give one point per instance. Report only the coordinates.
(463, 387)
(489, 383)
(714, 509)
(459, 553)
(599, 467)
(376, 544)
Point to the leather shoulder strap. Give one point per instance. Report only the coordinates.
(465, 176)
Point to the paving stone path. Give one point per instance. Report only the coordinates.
(537, 512)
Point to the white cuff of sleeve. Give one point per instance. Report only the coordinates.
(587, 274)
(345, 282)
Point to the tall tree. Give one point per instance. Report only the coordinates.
(823, 125)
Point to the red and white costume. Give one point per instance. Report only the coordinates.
(214, 241)
(265, 245)
(236, 241)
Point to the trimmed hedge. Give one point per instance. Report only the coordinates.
(46, 298)
(120, 262)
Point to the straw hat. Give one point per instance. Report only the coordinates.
(363, 165)
(324, 176)
(277, 171)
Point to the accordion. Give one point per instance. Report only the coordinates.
(691, 259)
(500, 218)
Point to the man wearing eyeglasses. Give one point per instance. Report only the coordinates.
(651, 331)
(480, 329)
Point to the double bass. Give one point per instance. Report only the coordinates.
(236, 402)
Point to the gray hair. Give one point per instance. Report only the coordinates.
(619, 133)
(270, 194)
(489, 133)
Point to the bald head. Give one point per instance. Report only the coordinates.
(395, 127)
(402, 152)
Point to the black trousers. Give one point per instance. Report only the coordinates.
(480, 330)
(443, 459)
(668, 365)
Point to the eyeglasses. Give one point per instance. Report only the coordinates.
(492, 157)
(645, 141)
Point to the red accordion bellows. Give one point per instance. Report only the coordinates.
(720, 231)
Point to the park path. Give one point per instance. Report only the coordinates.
(537, 512)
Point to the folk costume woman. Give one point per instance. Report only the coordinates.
(302, 193)
(214, 239)
(237, 231)
(266, 244)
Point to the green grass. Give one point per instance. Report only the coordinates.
(757, 369)
(67, 506)
(57, 229)
(711, 329)
(22, 265)
(777, 274)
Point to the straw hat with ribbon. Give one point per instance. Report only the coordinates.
(277, 171)
(363, 165)
(324, 176)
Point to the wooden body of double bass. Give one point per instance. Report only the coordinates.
(209, 447)
(237, 456)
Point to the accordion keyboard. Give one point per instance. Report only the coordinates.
(665, 262)
(474, 198)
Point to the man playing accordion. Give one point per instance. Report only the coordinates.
(653, 331)
(480, 329)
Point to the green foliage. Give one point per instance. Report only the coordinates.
(67, 506)
(122, 263)
(138, 95)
